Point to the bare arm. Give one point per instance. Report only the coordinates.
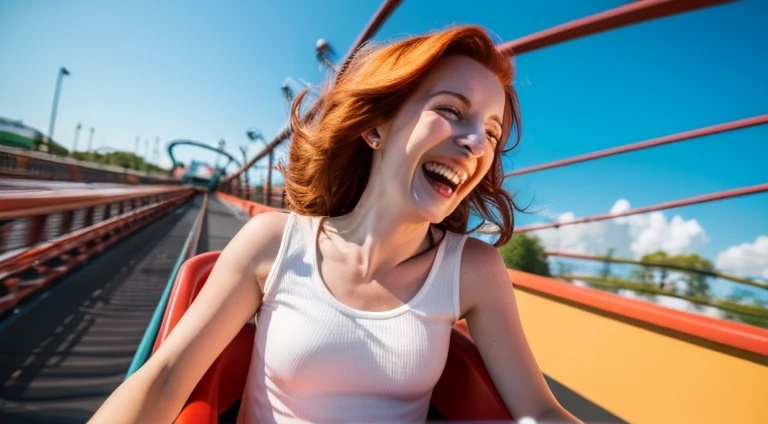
(230, 297)
(489, 305)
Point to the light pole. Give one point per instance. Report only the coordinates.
(77, 135)
(146, 155)
(323, 50)
(254, 135)
(62, 72)
(90, 140)
(246, 183)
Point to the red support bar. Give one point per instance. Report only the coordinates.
(21, 204)
(377, 20)
(727, 194)
(36, 227)
(621, 16)
(674, 138)
(628, 14)
(373, 26)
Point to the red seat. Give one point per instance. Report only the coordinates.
(464, 392)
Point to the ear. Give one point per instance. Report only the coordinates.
(373, 138)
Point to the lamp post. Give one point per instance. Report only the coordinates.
(146, 155)
(246, 183)
(254, 135)
(62, 73)
(90, 140)
(77, 135)
(324, 50)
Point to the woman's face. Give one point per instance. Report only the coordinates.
(442, 140)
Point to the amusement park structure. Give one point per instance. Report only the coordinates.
(606, 357)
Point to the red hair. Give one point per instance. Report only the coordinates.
(329, 163)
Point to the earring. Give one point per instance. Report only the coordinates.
(375, 144)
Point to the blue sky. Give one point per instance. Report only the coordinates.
(209, 70)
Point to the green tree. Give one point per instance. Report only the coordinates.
(696, 283)
(606, 271)
(642, 274)
(658, 257)
(525, 253)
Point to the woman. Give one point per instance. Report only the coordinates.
(356, 290)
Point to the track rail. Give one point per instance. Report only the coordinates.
(188, 250)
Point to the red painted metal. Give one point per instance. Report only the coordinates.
(632, 13)
(21, 204)
(727, 333)
(374, 24)
(29, 270)
(465, 390)
(674, 138)
(251, 208)
(727, 194)
(628, 14)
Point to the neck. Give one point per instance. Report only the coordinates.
(378, 235)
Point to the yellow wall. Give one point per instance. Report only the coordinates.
(640, 374)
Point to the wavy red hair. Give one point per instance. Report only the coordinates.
(329, 162)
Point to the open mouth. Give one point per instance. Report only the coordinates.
(444, 179)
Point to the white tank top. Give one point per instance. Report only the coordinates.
(318, 360)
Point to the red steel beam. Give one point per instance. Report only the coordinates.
(632, 13)
(674, 138)
(375, 23)
(727, 194)
(16, 204)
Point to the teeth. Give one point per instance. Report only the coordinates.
(456, 177)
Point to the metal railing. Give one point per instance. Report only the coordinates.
(21, 163)
(45, 234)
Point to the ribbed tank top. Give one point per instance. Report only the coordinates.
(318, 360)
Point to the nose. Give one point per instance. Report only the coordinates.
(473, 143)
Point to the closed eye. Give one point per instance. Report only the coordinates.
(493, 137)
(451, 110)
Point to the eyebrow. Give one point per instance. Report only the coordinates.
(464, 100)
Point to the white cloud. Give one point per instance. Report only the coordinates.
(631, 236)
(746, 259)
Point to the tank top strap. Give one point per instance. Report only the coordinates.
(443, 294)
(453, 256)
(292, 235)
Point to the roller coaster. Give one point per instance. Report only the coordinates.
(98, 265)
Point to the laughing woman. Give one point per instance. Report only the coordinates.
(356, 290)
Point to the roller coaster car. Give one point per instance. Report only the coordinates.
(464, 391)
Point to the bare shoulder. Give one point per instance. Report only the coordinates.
(483, 273)
(258, 243)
